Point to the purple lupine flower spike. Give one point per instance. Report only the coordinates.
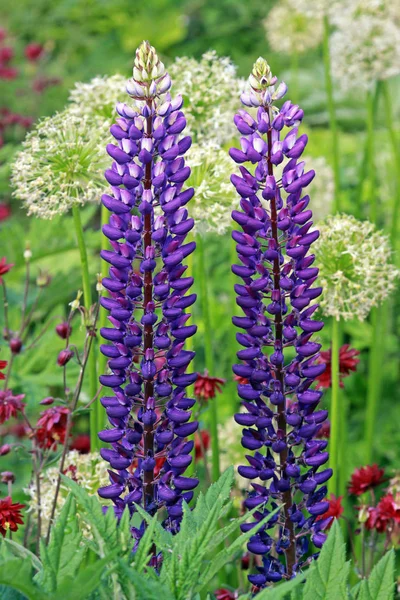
(148, 410)
(281, 417)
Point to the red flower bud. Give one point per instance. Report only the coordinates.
(5, 449)
(15, 345)
(64, 357)
(64, 330)
(7, 477)
(33, 51)
(47, 401)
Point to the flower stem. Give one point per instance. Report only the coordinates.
(208, 350)
(332, 114)
(396, 156)
(371, 192)
(87, 298)
(336, 408)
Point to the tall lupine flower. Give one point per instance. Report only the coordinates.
(281, 418)
(148, 409)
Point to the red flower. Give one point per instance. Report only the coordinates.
(325, 431)
(5, 211)
(365, 478)
(207, 387)
(348, 362)
(4, 267)
(386, 513)
(64, 357)
(64, 330)
(10, 405)
(8, 73)
(33, 51)
(201, 443)
(51, 426)
(6, 54)
(225, 594)
(81, 443)
(241, 380)
(335, 509)
(42, 83)
(3, 364)
(10, 515)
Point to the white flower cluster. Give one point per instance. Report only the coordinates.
(365, 47)
(211, 92)
(214, 197)
(88, 470)
(98, 97)
(62, 163)
(356, 273)
(290, 30)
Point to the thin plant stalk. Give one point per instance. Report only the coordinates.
(371, 192)
(87, 297)
(336, 408)
(332, 115)
(208, 351)
(394, 142)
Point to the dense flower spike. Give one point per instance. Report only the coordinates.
(281, 418)
(149, 410)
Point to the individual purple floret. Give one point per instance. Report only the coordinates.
(281, 417)
(148, 408)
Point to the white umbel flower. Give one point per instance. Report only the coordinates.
(98, 97)
(61, 164)
(214, 197)
(88, 470)
(211, 91)
(290, 30)
(356, 272)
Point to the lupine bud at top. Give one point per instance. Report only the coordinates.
(150, 78)
(15, 345)
(64, 330)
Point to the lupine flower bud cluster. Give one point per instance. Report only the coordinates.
(281, 418)
(148, 408)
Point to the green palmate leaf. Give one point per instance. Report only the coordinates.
(17, 573)
(144, 588)
(7, 593)
(87, 580)
(63, 556)
(328, 579)
(380, 584)
(143, 552)
(18, 550)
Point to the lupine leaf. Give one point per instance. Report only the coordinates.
(87, 580)
(328, 579)
(143, 552)
(18, 550)
(64, 554)
(380, 584)
(146, 589)
(16, 573)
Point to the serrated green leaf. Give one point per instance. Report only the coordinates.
(64, 553)
(143, 552)
(380, 583)
(21, 551)
(146, 589)
(328, 579)
(7, 593)
(87, 579)
(17, 573)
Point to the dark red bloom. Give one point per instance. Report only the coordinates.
(10, 405)
(335, 509)
(225, 594)
(81, 443)
(207, 387)
(5, 211)
(47, 401)
(10, 515)
(41, 83)
(6, 54)
(64, 330)
(15, 345)
(245, 561)
(7, 477)
(8, 73)
(365, 478)
(325, 431)
(241, 380)
(201, 443)
(33, 51)
(348, 362)
(386, 513)
(4, 267)
(64, 357)
(51, 426)
(3, 34)
(5, 449)
(3, 365)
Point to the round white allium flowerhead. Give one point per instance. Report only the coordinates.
(88, 470)
(98, 97)
(211, 92)
(364, 49)
(340, 11)
(61, 163)
(290, 30)
(356, 272)
(214, 197)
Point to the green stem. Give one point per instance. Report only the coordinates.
(394, 142)
(370, 180)
(332, 114)
(103, 321)
(335, 414)
(87, 298)
(379, 319)
(208, 350)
